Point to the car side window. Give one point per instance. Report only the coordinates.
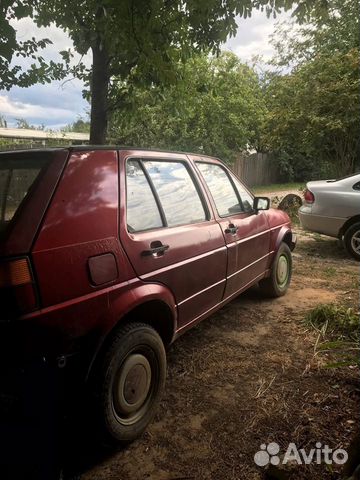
(356, 186)
(177, 193)
(226, 200)
(141, 209)
(247, 199)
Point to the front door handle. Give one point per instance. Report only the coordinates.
(232, 229)
(156, 249)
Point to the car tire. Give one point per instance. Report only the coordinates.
(278, 282)
(129, 383)
(352, 240)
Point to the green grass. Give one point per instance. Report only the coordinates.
(278, 187)
(329, 272)
(338, 333)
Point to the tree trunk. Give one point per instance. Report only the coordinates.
(99, 95)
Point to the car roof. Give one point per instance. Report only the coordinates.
(139, 149)
(81, 148)
(35, 150)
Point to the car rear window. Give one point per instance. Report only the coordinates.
(17, 177)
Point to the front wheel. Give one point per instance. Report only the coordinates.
(277, 284)
(352, 240)
(130, 382)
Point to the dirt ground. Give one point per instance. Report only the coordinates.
(247, 376)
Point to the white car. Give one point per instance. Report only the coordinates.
(332, 207)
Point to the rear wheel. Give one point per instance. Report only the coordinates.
(277, 284)
(352, 240)
(129, 382)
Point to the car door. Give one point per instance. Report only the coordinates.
(246, 232)
(169, 232)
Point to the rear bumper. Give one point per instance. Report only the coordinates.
(21, 384)
(317, 223)
(28, 372)
(25, 380)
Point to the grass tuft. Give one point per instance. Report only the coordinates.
(338, 330)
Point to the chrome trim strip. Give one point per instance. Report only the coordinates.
(244, 287)
(201, 291)
(257, 234)
(242, 240)
(183, 262)
(250, 265)
(279, 226)
(81, 298)
(218, 305)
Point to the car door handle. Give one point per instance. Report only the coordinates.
(156, 249)
(232, 229)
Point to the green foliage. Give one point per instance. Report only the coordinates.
(335, 31)
(314, 116)
(313, 119)
(142, 43)
(11, 48)
(151, 34)
(338, 330)
(79, 126)
(216, 107)
(139, 42)
(279, 187)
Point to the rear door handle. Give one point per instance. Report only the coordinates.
(232, 229)
(156, 249)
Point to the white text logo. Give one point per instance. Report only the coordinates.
(320, 454)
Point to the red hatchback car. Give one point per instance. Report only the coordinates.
(108, 254)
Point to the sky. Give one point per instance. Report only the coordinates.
(60, 103)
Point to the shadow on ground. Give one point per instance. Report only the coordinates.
(240, 378)
(321, 246)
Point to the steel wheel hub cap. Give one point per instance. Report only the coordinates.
(282, 271)
(133, 385)
(355, 242)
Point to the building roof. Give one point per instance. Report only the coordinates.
(42, 134)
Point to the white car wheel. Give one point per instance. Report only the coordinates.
(352, 240)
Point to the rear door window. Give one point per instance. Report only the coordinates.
(177, 192)
(141, 209)
(17, 177)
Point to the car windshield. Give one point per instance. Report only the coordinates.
(17, 176)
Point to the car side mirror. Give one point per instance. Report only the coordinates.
(261, 203)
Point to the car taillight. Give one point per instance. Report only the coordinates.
(309, 196)
(17, 289)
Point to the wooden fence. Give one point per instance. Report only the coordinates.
(256, 169)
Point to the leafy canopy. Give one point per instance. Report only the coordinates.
(216, 107)
(142, 39)
(313, 119)
(335, 31)
(79, 126)
(12, 48)
(313, 109)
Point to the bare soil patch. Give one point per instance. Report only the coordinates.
(247, 376)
